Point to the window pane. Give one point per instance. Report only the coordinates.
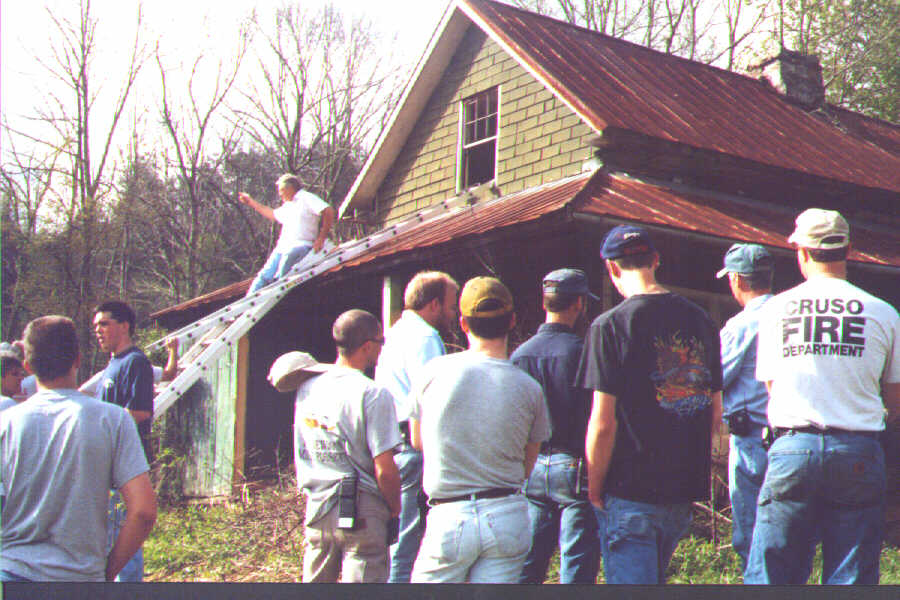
(491, 126)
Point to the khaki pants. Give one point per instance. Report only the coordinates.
(357, 556)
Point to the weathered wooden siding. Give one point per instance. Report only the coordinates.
(540, 139)
(206, 415)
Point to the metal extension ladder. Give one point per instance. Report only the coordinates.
(209, 337)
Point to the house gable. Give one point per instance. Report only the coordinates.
(540, 139)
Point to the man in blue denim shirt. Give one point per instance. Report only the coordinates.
(749, 268)
(557, 502)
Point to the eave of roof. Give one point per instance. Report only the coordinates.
(612, 196)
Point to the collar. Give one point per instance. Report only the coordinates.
(124, 352)
(555, 328)
(413, 317)
(757, 302)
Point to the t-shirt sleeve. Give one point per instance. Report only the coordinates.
(892, 364)
(382, 431)
(314, 203)
(140, 385)
(600, 367)
(128, 453)
(285, 213)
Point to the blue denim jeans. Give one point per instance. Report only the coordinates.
(475, 541)
(830, 485)
(277, 266)
(638, 539)
(560, 516)
(409, 537)
(133, 571)
(746, 469)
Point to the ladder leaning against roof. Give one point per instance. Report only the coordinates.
(210, 336)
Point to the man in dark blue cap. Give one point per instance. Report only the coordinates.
(745, 401)
(654, 366)
(557, 501)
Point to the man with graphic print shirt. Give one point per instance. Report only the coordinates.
(653, 364)
(830, 356)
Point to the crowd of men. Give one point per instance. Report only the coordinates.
(475, 466)
(601, 446)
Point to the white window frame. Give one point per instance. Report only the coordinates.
(462, 147)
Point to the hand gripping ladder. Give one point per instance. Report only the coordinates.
(213, 334)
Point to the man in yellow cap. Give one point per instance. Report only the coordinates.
(479, 421)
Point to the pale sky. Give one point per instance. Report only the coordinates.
(184, 29)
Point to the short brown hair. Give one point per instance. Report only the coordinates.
(557, 303)
(51, 346)
(490, 328)
(354, 328)
(424, 287)
(635, 261)
(828, 255)
(291, 180)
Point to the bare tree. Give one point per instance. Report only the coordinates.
(321, 94)
(72, 139)
(190, 128)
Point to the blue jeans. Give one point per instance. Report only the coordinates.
(746, 469)
(133, 571)
(830, 485)
(403, 553)
(475, 541)
(277, 266)
(638, 539)
(559, 516)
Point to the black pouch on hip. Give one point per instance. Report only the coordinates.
(347, 504)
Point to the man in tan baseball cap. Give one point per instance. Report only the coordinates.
(479, 421)
(820, 229)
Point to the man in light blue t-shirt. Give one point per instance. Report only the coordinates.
(415, 339)
(60, 454)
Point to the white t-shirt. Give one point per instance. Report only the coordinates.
(827, 346)
(299, 220)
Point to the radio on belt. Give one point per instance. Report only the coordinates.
(347, 504)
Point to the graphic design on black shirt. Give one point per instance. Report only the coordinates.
(682, 379)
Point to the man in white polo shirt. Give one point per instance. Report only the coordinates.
(305, 221)
(830, 356)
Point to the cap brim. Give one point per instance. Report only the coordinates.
(593, 297)
(722, 273)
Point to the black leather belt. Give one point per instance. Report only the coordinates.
(548, 449)
(491, 493)
(780, 431)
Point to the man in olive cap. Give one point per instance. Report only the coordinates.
(749, 268)
(479, 422)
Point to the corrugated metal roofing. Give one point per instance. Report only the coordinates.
(728, 218)
(613, 83)
(602, 194)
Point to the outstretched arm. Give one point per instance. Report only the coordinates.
(260, 208)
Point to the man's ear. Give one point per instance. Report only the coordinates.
(613, 268)
(27, 367)
(463, 325)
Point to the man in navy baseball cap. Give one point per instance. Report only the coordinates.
(626, 240)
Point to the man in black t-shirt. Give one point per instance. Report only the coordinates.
(653, 364)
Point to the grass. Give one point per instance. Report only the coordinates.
(260, 539)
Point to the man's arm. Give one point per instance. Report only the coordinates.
(599, 444)
(890, 394)
(326, 220)
(140, 507)
(171, 368)
(415, 434)
(90, 386)
(531, 451)
(716, 414)
(262, 209)
(388, 478)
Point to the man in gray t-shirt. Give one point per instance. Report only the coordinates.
(60, 454)
(345, 434)
(479, 422)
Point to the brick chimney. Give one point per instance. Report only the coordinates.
(797, 76)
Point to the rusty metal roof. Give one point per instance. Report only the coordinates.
(614, 83)
(720, 216)
(603, 194)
